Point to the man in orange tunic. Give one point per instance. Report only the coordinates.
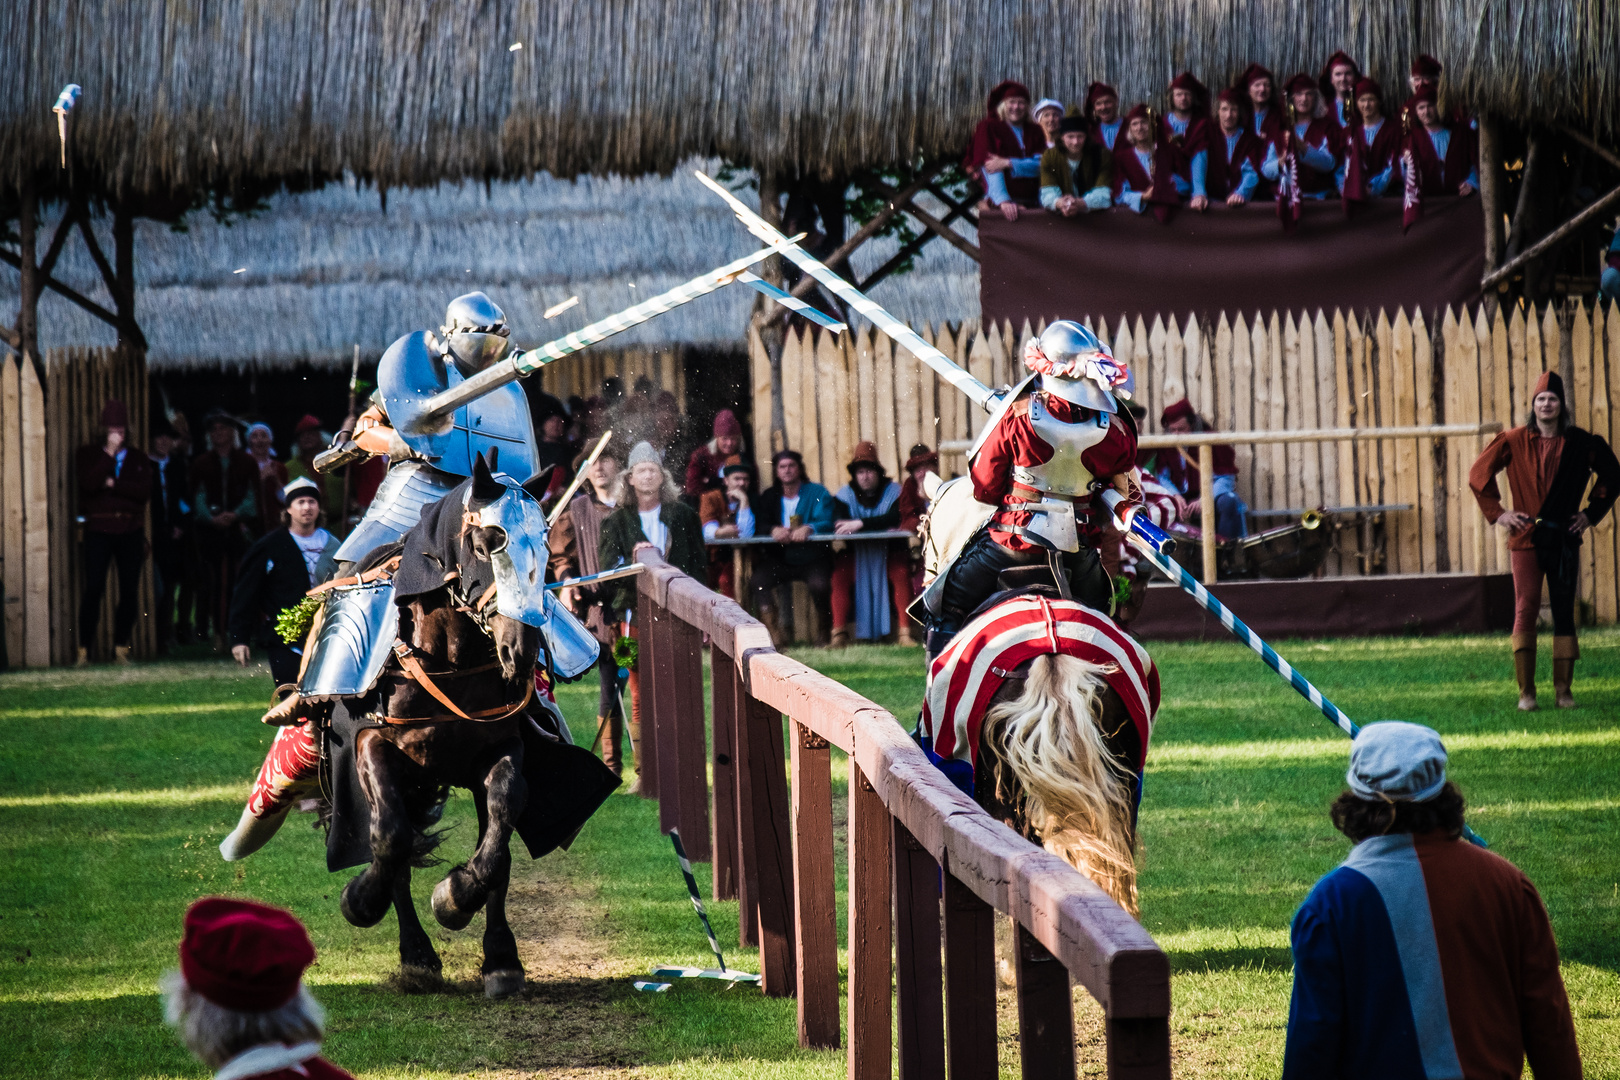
(1548, 463)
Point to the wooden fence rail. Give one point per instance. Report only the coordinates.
(911, 834)
(1256, 372)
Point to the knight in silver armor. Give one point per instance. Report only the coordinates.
(1054, 440)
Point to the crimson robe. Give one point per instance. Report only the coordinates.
(994, 137)
(1160, 187)
(1437, 177)
(1226, 174)
(1324, 131)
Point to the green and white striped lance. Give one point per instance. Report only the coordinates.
(520, 364)
(980, 394)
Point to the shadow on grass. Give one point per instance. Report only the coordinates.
(1259, 958)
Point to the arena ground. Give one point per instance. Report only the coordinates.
(116, 787)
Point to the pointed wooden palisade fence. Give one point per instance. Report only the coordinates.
(43, 422)
(1276, 372)
(921, 972)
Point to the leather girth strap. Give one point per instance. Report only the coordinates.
(413, 671)
(381, 570)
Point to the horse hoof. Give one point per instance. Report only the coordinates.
(502, 984)
(417, 979)
(353, 913)
(445, 909)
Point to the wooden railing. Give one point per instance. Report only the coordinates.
(911, 834)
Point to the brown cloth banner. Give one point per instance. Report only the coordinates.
(1104, 264)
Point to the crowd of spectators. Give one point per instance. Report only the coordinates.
(1322, 136)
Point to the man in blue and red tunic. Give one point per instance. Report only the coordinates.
(1061, 437)
(1422, 955)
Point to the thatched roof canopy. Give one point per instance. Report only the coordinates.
(186, 92)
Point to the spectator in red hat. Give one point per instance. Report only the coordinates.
(1312, 140)
(1179, 472)
(239, 1001)
(1371, 146)
(1235, 153)
(308, 440)
(914, 502)
(1102, 113)
(1446, 155)
(869, 503)
(706, 466)
(1259, 86)
(1005, 155)
(1145, 170)
(115, 483)
(1186, 126)
(1338, 85)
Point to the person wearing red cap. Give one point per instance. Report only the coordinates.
(1259, 86)
(1548, 462)
(1371, 146)
(309, 440)
(1235, 153)
(1146, 171)
(1186, 126)
(708, 462)
(1180, 473)
(1005, 154)
(115, 484)
(239, 1001)
(914, 502)
(1101, 111)
(1338, 85)
(870, 502)
(1444, 155)
(1312, 140)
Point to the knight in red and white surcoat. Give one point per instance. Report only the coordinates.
(1061, 438)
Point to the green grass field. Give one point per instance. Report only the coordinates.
(116, 787)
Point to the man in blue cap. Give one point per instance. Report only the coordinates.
(1422, 955)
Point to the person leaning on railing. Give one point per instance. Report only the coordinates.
(1077, 176)
(649, 514)
(870, 502)
(792, 510)
(728, 514)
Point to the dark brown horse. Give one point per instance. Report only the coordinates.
(456, 707)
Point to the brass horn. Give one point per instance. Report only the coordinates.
(1312, 519)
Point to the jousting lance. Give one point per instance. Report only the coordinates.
(1155, 544)
(579, 478)
(980, 394)
(519, 364)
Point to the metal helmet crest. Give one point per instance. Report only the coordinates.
(1077, 367)
(474, 332)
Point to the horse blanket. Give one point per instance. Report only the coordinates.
(964, 678)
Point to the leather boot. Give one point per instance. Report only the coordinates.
(1524, 670)
(840, 637)
(121, 654)
(903, 635)
(83, 658)
(635, 749)
(1565, 653)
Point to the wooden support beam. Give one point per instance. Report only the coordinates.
(1206, 510)
(970, 983)
(961, 210)
(63, 290)
(63, 228)
(1490, 188)
(815, 914)
(687, 784)
(1532, 155)
(1552, 239)
(871, 937)
(910, 249)
(956, 239)
(766, 837)
(28, 309)
(1045, 1010)
(919, 978)
(898, 200)
(723, 703)
(1601, 151)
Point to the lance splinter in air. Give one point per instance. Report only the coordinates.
(437, 411)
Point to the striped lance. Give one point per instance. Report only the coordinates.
(1240, 630)
(980, 394)
(523, 363)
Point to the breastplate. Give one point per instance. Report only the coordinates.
(412, 371)
(1065, 474)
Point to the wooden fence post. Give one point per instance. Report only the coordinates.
(726, 883)
(815, 913)
(1138, 1048)
(649, 678)
(765, 842)
(871, 974)
(687, 783)
(970, 983)
(919, 981)
(1045, 1010)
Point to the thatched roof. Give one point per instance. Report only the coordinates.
(416, 93)
(326, 270)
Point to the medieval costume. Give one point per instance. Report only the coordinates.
(1234, 159)
(272, 476)
(914, 503)
(809, 507)
(722, 508)
(1022, 144)
(1147, 179)
(1088, 177)
(114, 488)
(865, 573)
(241, 971)
(170, 529)
(1446, 157)
(705, 468)
(224, 481)
(276, 572)
(1371, 152)
(1341, 110)
(1059, 437)
(1190, 135)
(1105, 135)
(1422, 955)
(1547, 477)
(1179, 472)
(1313, 143)
(1266, 120)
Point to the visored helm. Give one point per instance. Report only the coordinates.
(474, 332)
(1077, 367)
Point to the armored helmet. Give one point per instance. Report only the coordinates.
(474, 332)
(1079, 368)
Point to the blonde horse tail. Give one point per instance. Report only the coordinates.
(1078, 798)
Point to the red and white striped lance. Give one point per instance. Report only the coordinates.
(964, 678)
